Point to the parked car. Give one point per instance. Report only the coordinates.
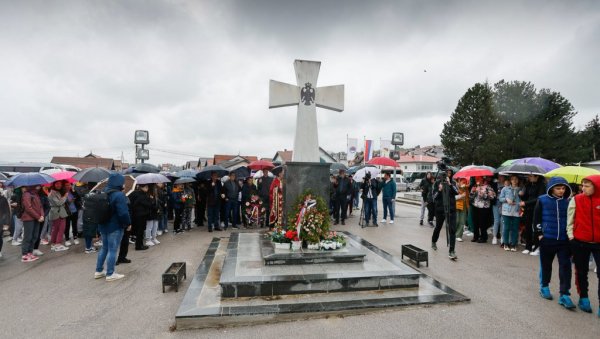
(402, 184)
(414, 186)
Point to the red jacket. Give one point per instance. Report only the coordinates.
(586, 226)
(32, 207)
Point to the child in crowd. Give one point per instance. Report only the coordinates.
(583, 229)
(550, 227)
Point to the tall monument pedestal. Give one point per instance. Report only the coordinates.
(300, 176)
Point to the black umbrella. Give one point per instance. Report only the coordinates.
(145, 168)
(94, 174)
(206, 172)
(523, 169)
(242, 172)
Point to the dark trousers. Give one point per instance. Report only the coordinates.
(581, 258)
(430, 211)
(267, 205)
(232, 213)
(340, 203)
(178, 218)
(200, 211)
(124, 247)
(31, 230)
(213, 217)
(71, 223)
(549, 248)
(440, 216)
(531, 241)
(482, 221)
(139, 226)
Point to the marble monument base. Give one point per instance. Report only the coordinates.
(233, 286)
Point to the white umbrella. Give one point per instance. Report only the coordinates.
(259, 174)
(360, 174)
(151, 178)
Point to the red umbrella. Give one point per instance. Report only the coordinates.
(383, 161)
(473, 172)
(64, 175)
(260, 165)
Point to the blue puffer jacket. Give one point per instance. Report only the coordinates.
(120, 218)
(550, 216)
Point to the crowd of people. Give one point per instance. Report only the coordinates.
(549, 219)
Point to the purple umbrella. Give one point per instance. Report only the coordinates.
(543, 163)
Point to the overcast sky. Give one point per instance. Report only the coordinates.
(82, 75)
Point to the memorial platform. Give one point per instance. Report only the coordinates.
(233, 285)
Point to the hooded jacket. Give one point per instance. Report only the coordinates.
(584, 214)
(550, 213)
(118, 201)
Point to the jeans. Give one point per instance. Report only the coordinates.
(46, 228)
(389, 204)
(370, 210)
(497, 220)
(162, 222)
(461, 221)
(355, 201)
(151, 228)
(108, 252)
(31, 231)
(510, 234)
(423, 208)
(232, 206)
(71, 226)
(88, 242)
(18, 228)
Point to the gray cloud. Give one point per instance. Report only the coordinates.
(83, 75)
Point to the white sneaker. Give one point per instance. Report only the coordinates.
(506, 248)
(115, 276)
(391, 221)
(98, 275)
(155, 241)
(166, 231)
(37, 253)
(383, 221)
(68, 243)
(0, 254)
(525, 252)
(44, 242)
(149, 243)
(535, 253)
(459, 239)
(159, 233)
(15, 243)
(494, 241)
(76, 241)
(59, 248)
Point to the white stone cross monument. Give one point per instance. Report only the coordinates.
(307, 96)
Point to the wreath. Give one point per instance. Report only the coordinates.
(254, 210)
(311, 213)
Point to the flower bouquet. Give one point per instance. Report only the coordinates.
(279, 239)
(333, 241)
(254, 211)
(311, 216)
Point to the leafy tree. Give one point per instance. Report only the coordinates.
(590, 140)
(468, 137)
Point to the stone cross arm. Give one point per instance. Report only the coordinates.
(282, 94)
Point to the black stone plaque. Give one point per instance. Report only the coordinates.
(300, 176)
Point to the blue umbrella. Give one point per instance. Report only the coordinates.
(188, 173)
(242, 172)
(30, 179)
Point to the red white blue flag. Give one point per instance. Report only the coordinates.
(368, 150)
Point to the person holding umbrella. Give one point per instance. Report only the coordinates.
(232, 207)
(58, 215)
(444, 193)
(533, 189)
(342, 188)
(213, 201)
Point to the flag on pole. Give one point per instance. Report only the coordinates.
(368, 150)
(385, 146)
(352, 148)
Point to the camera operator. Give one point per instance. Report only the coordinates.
(370, 191)
(444, 197)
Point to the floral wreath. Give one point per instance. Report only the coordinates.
(311, 214)
(254, 208)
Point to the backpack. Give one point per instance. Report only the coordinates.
(97, 208)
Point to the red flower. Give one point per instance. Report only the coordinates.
(291, 234)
